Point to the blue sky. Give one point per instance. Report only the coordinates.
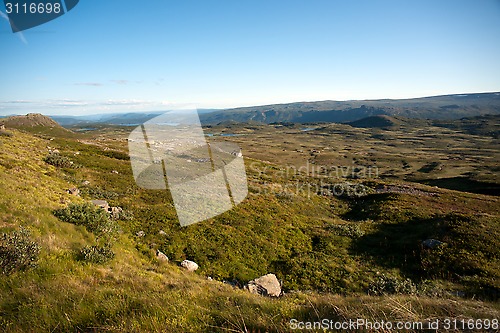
(122, 55)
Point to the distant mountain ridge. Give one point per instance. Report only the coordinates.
(123, 119)
(436, 107)
(446, 107)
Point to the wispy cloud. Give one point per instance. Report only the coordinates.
(20, 34)
(125, 102)
(66, 103)
(35, 104)
(121, 81)
(74, 106)
(91, 84)
(18, 102)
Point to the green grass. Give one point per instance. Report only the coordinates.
(330, 252)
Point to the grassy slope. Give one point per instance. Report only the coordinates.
(285, 234)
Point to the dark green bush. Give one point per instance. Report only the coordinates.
(98, 192)
(96, 254)
(347, 230)
(94, 219)
(17, 251)
(117, 155)
(384, 285)
(58, 161)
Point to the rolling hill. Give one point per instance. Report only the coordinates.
(380, 121)
(437, 107)
(29, 120)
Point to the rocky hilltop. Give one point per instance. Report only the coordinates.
(29, 120)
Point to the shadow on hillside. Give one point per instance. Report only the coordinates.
(464, 184)
(397, 245)
(369, 207)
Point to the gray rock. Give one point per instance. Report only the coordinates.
(189, 265)
(161, 232)
(267, 285)
(101, 203)
(161, 256)
(431, 243)
(141, 234)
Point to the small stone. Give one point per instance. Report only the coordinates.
(161, 256)
(163, 233)
(189, 265)
(141, 234)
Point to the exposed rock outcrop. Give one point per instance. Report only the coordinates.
(267, 285)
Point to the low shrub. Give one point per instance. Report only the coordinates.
(431, 288)
(347, 230)
(117, 155)
(17, 251)
(93, 218)
(384, 285)
(96, 254)
(59, 161)
(98, 192)
(126, 215)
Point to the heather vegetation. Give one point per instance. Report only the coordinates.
(345, 235)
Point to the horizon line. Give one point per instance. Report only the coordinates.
(239, 107)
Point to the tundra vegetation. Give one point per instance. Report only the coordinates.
(338, 213)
